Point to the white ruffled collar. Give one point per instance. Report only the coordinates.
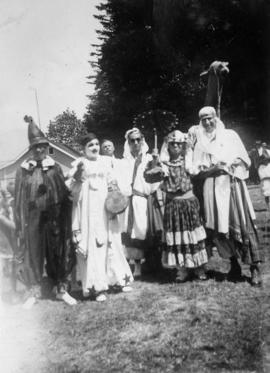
(30, 164)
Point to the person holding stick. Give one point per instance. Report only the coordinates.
(221, 161)
(136, 216)
(184, 234)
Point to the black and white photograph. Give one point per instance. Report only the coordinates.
(135, 186)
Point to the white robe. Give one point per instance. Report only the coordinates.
(105, 263)
(264, 174)
(139, 202)
(225, 147)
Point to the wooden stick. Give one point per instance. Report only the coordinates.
(155, 138)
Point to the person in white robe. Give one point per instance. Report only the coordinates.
(135, 218)
(100, 258)
(221, 160)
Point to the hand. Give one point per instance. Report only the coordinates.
(113, 185)
(155, 152)
(220, 167)
(80, 173)
(237, 162)
(155, 156)
(76, 238)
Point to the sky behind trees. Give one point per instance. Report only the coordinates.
(44, 46)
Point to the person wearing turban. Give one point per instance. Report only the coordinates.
(135, 220)
(221, 161)
(43, 221)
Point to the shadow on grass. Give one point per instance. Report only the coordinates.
(167, 276)
(221, 276)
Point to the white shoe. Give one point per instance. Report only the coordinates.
(101, 298)
(86, 293)
(126, 289)
(66, 298)
(28, 304)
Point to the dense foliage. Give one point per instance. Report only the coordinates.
(67, 129)
(152, 52)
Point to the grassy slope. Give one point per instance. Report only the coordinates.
(216, 326)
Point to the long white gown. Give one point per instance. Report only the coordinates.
(105, 263)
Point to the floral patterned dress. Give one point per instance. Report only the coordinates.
(184, 233)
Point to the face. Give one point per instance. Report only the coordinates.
(135, 143)
(107, 148)
(40, 151)
(91, 149)
(175, 148)
(209, 123)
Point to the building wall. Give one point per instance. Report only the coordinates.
(8, 173)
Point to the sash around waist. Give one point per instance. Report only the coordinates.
(180, 195)
(137, 193)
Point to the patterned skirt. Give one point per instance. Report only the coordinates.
(184, 234)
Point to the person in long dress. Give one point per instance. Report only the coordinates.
(100, 258)
(184, 233)
(222, 162)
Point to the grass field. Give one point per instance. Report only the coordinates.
(215, 326)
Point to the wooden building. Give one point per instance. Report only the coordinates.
(62, 154)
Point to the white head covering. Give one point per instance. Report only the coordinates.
(207, 111)
(144, 148)
(221, 146)
(176, 136)
(202, 135)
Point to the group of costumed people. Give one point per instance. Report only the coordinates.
(182, 202)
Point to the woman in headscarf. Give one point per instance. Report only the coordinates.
(96, 232)
(136, 216)
(221, 160)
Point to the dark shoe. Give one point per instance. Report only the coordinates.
(181, 275)
(200, 274)
(256, 278)
(235, 273)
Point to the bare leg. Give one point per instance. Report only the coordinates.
(137, 268)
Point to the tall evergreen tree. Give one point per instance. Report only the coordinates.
(152, 52)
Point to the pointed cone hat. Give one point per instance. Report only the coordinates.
(35, 135)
